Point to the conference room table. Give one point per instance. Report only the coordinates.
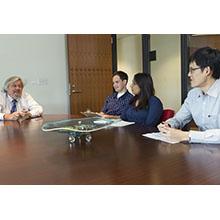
(116, 155)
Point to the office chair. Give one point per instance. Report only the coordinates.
(167, 113)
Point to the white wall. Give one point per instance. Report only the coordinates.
(41, 61)
(166, 70)
(129, 54)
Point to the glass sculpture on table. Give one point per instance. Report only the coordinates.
(78, 128)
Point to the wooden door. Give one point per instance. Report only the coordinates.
(198, 41)
(90, 71)
(189, 44)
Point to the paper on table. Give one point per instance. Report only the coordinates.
(160, 136)
(121, 123)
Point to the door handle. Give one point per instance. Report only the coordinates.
(76, 91)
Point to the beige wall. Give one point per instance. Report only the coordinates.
(166, 70)
(41, 61)
(129, 53)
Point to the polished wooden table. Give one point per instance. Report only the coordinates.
(115, 156)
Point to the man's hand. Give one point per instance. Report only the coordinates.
(162, 127)
(14, 116)
(103, 115)
(20, 116)
(24, 115)
(173, 133)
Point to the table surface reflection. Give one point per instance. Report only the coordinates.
(115, 156)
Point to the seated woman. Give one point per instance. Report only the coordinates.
(144, 108)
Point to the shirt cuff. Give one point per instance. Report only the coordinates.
(2, 116)
(196, 136)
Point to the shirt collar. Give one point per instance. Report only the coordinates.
(11, 99)
(120, 94)
(214, 90)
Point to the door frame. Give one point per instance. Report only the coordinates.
(145, 53)
(184, 65)
(114, 53)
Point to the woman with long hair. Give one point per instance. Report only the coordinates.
(145, 108)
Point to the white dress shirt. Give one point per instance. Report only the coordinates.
(204, 109)
(120, 94)
(25, 102)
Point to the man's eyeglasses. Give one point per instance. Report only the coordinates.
(191, 70)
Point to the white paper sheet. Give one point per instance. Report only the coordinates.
(160, 136)
(121, 123)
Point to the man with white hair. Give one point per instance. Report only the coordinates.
(15, 104)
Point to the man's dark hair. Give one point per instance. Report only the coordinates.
(121, 74)
(205, 57)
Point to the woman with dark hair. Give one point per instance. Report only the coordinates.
(145, 108)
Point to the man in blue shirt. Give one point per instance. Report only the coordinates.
(118, 102)
(202, 103)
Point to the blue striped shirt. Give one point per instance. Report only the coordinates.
(204, 109)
